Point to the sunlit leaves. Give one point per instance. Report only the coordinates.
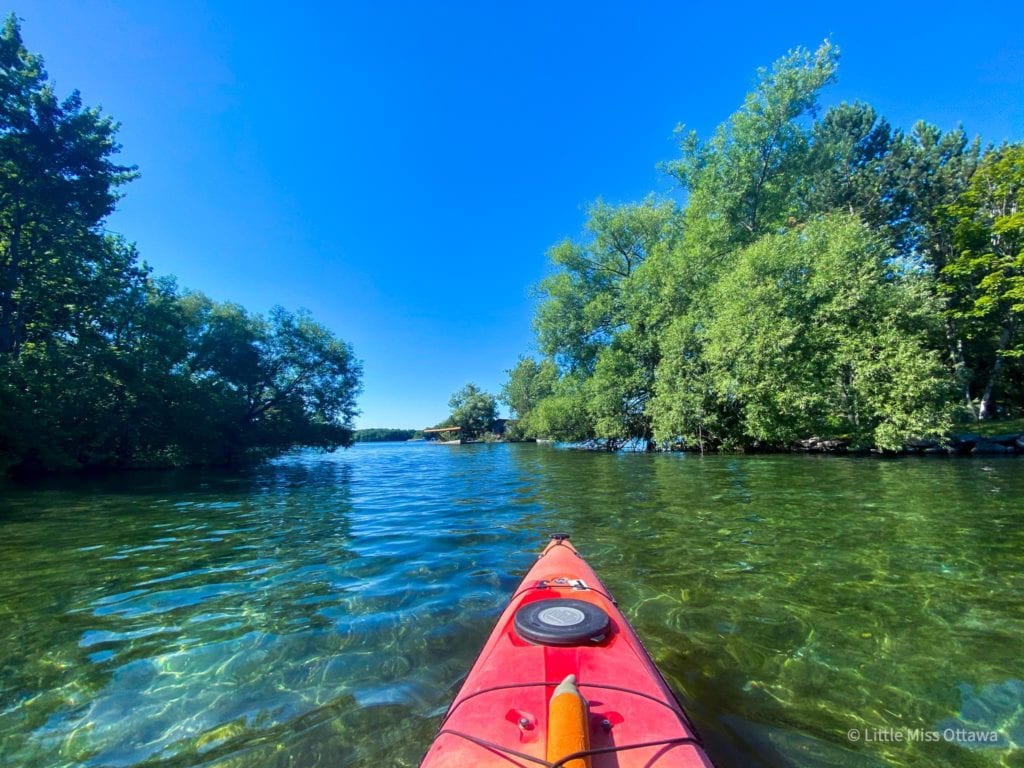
(473, 410)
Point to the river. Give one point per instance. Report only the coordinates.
(322, 610)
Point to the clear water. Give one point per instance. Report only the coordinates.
(323, 610)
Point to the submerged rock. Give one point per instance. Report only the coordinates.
(822, 445)
(1004, 439)
(995, 708)
(990, 447)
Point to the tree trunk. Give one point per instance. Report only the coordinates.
(956, 354)
(986, 410)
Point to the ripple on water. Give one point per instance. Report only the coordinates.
(322, 610)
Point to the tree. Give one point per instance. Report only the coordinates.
(564, 414)
(812, 335)
(743, 182)
(600, 316)
(101, 365)
(275, 382)
(828, 276)
(852, 168)
(984, 278)
(473, 410)
(383, 435)
(529, 382)
(58, 183)
(582, 309)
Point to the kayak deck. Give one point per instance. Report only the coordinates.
(500, 716)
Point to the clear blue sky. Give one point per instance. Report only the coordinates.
(400, 169)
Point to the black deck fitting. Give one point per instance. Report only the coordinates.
(559, 536)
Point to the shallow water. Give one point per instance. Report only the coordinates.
(322, 611)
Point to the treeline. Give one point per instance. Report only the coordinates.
(379, 435)
(103, 365)
(827, 275)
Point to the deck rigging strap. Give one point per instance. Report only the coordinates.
(676, 710)
(679, 740)
(552, 585)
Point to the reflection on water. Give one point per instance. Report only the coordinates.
(323, 610)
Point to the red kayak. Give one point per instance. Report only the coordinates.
(564, 681)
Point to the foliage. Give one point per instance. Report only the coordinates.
(984, 276)
(743, 182)
(57, 184)
(804, 288)
(383, 435)
(529, 382)
(564, 414)
(473, 410)
(102, 365)
(810, 336)
(597, 320)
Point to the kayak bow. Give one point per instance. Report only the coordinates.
(564, 681)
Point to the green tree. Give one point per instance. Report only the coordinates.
(600, 317)
(581, 310)
(274, 383)
(932, 170)
(383, 435)
(101, 365)
(473, 410)
(58, 183)
(564, 414)
(820, 271)
(984, 277)
(853, 167)
(528, 383)
(813, 335)
(743, 182)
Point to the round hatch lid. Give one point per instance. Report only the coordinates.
(561, 621)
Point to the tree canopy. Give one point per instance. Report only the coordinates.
(101, 363)
(384, 435)
(826, 275)
(473, 410)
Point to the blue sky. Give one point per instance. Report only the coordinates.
(400, 169)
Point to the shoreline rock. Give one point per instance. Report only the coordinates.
(955, 444)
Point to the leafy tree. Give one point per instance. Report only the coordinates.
(564, 414)
(582, 311)
(101, 365)
(742, 183)
(933, 169)
(58, 183)
(826, 276)
(383, 435)
(529, 382)
(599, 319)
(473, 410)
(984, 278)
(277, 382)
(811, 335)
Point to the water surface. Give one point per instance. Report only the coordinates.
(322, 610)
